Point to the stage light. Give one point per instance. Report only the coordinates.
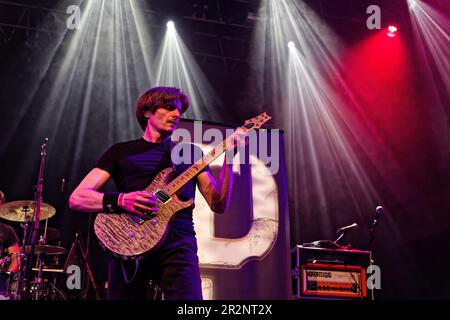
(107, 59)
(299, 81)
(171, 28)
(411, 4)
(175, 66)
(392, 31)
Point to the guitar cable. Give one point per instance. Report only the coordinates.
(136, 266)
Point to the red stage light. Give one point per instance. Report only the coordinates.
(392, 30)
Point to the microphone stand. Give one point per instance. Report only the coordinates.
(86, 268)
(27, 258)
(373, 228)
(23, 257)
(379, 210)
(342, 233)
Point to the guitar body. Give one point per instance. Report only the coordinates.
(129, 237)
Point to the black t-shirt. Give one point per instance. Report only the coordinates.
(134, 164)
(8, 237)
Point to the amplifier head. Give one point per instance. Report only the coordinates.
(330, 273)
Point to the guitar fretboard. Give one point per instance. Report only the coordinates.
(192, 171)
(198, 166)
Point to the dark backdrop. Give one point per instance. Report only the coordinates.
(78, 107)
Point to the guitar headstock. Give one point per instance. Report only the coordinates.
(257, 122)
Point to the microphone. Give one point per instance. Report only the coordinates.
(344, 229)
(379, 210)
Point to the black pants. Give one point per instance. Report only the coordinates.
(174, 267)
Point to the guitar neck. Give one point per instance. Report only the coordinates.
(192, 171)
(198, 166)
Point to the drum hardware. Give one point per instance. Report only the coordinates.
(31, 239)
(49, 270)
(33, 247)
(45, 250)
(57, 291)
(41, 251)
(50, 289)
(50, 234)
(51, 273)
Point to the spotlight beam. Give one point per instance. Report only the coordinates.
(143, 36)
(302, 80)
(432, 32)
(177, 67)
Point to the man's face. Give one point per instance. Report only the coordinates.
(165, 118)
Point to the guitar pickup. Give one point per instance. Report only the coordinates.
(162, 196)
(137, 219)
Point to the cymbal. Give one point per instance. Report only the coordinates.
(46, 249)
(20, 210)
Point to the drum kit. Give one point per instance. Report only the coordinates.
(37, 278)
(38, 282)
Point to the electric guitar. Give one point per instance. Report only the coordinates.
(128, 236)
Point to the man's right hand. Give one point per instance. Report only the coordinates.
(140, 203)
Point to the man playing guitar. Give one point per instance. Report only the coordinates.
(133, 165)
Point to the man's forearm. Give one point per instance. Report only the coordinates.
(224, 188)
(86, 200)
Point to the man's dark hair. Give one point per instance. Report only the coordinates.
(158, 97)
